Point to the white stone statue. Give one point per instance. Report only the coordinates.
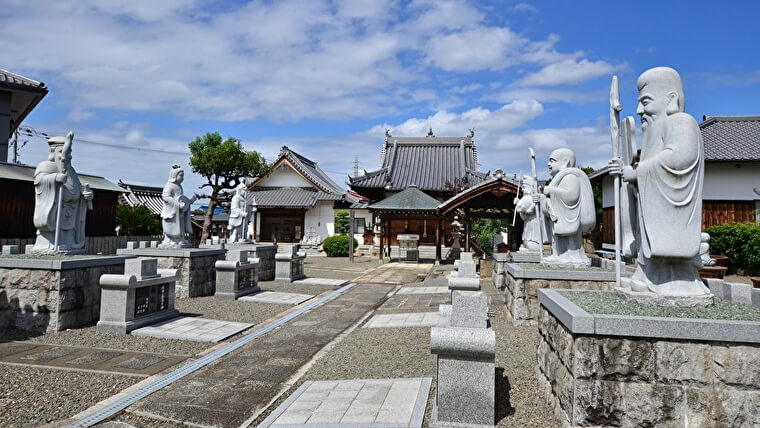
(568, 202)
(704, 250)
(238, 214)
(175, 216)
(532, 235)
(668, 191)
(61, 202)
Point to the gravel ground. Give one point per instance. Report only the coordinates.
(35, 396)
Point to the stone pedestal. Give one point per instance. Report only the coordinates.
(50, 293)
(523, 280)
(465, 350)
(289, 264)
(236, 275)
(499, 273)
(615, 370)
(525, 256)
(144, 295)
(195, 266)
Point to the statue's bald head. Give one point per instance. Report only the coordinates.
(662, 81)
(564, 155)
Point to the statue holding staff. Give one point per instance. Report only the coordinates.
(237, 223)
(535, 231)
(175, 215)
(61, 202)
(667, 203)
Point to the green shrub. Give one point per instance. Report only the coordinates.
(337, 246)
(342, 222)
(740, 242)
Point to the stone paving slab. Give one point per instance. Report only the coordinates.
(227, 392)
(277, 297)
(86, 359)
(423, 290)
(354, 403)
(321, 281)
(193, 328)
(418, 319)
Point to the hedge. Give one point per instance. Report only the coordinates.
(740, 242)
(337, 246)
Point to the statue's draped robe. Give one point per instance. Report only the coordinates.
(571, 216)
(669, 207)
(533, 228)
(175, 220)
(73, 209)
(237, 211)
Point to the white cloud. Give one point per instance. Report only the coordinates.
(568, 72)
(482, 48)
(550, 95)
(525, 7)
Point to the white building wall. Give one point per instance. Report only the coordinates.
(320, 219)
(367, 223)
(284, 176)
(731, 181)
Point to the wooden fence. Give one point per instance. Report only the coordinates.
(93, 244)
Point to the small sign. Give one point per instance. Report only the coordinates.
(152, 299)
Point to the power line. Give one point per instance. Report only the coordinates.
(31, 132)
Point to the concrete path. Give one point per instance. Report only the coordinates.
(193, 328)
(229, 391)
(86, 359)
(321, 281)
(365, 403)
(424, 290)
(395, 274)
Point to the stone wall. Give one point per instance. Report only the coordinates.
(196, 275)
(520, 294)
(621, 381)
(39, 300)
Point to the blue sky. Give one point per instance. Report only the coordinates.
(143, 78)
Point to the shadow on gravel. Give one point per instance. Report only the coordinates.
(503, 406)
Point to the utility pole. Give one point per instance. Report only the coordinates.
(356, 166)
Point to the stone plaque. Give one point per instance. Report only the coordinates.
(151, 299)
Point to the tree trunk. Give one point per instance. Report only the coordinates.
(209, 214)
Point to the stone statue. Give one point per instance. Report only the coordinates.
(61, 202)
(568, 202)
(238, 214)
(532, 235)
(175, 216)
(704, 250)
(667, 182)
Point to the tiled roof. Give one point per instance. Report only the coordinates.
(731, 138)
(488, 182)
(428, 162)
(311, 170)
(148, 196)
(288, 197)
(12, 80)
(410, 199)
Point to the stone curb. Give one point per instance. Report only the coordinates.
(171, 252)
(561, 274)
(62, 263)
(642, 326)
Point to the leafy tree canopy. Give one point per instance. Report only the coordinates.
(137, 221)
(224, 164)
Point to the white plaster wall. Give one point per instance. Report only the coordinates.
(367, 223)
(608, 196)
(321, 218)
(284, 176)
(731, 181)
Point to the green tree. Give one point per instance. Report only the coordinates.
(137, 220)
(224, 164)
(342, 222)
(485, 229)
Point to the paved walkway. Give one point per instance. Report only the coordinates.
(424, 290)
(277, 297)
(227, 392)
(363, 402)
(395, 274)
(418, 319)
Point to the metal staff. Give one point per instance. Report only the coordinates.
(615, 108)
(539, 214)
(58, 217)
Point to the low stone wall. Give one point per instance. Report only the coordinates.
(521, 288)
(49, 294)
(595, 379)
(265, 254)
(196, 275)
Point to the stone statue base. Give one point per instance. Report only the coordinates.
(552, 263)
(53, 252)
(169, 244)
(649, 298)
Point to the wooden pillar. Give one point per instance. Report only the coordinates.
(438, 242)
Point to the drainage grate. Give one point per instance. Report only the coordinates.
(129, 399)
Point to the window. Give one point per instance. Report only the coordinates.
(358, 224)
